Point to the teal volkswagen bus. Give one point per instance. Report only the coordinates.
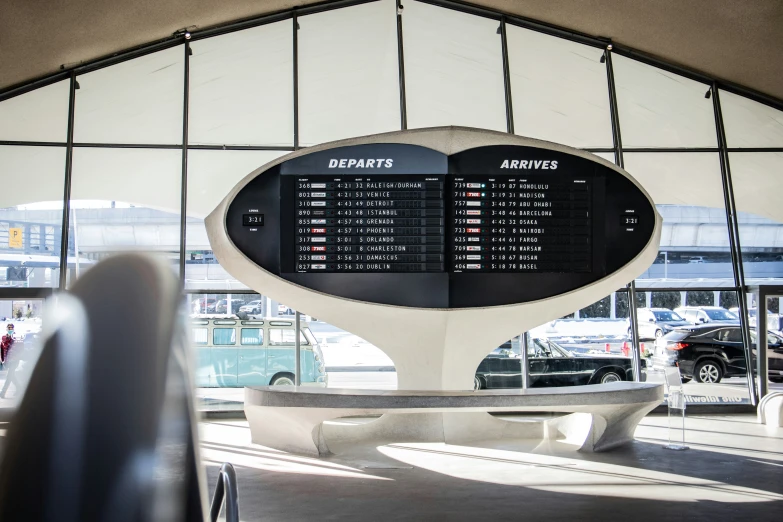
(233, 352)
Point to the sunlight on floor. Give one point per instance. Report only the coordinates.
(566, 475)
(229, 441)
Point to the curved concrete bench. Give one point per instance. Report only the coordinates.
(603, 416)
(770, 410)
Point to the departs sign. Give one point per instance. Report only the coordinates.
(429, 225)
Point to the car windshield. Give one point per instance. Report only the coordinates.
(720, 315)
(771, 338)
(667, 316)
(546, 348)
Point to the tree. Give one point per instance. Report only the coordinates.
(700, 298)
(598, 309)
(728, 299)
(670, 300)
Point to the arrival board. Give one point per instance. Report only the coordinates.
(531, 223)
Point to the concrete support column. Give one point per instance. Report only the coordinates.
(576, 314)
(612, 303)
(648, 299)
(716, 300)
(683, 298)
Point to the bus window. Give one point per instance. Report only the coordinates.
(252, 336)
(200, 336)
(279, 336)
(224, 336)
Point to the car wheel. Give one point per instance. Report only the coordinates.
(658, 334)
(610, 376)
(283, 380)
(708, 372)
(478, 383)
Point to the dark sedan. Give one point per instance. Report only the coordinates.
(550, 365)
(709, 353)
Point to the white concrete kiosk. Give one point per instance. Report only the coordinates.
(435, 349)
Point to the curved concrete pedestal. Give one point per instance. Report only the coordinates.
(601, 417)
(770, 410)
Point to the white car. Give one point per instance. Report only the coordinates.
(253, 307)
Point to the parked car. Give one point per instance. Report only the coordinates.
(709, 353)
(284, 310)
(773, 319)
(706, 314)
(234, 353)
(202, 304)
(222, 306)
(655, 322)
(253, 307)
(550, 365)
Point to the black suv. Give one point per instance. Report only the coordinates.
(709, 353)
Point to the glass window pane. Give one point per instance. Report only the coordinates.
(348, 77)
(224, 336)
(241, 88)
(280, 336)
(559, 89)
(211, 175)
(124, 200)
(581, 348)
(453, 69)
(32, 175)
(608, 156)
(749, 123)
(39, 115)
(661, 109)
(200, 336)
(756, 178)
(22, 354)
(688, 193)
(138, 101)
(252, 336)
(31, 212)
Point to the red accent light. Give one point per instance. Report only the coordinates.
(676, 346)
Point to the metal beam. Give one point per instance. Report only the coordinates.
(183, 206)
(401, 68)
(67, 185)
(734, 241)
(506, 77)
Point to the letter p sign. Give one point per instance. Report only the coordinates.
(15, 238)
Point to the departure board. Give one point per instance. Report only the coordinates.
(387, 223)
(406, 224)
(531, 223)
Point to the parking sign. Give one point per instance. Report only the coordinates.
(15, 238)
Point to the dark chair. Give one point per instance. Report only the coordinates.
(106, 429)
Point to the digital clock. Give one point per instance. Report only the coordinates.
(253, 220)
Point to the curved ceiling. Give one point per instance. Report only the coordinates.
(741, 42)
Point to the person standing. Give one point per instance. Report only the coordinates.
(9, 358)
